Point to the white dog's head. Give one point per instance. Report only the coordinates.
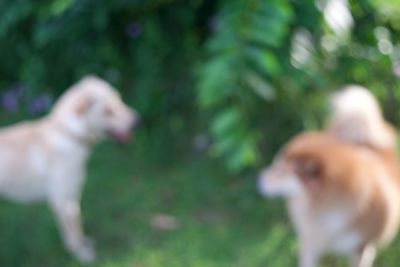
(92, 109)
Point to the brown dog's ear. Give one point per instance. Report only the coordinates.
(311, 172)
(83, 105)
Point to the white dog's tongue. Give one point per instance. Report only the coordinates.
(122, 136)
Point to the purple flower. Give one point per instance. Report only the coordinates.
(133, 29)
(39, 104)
(47, 101)
(201, 142)
(10, 101)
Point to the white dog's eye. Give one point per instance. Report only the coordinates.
(109, 112)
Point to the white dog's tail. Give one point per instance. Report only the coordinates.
(357, 118)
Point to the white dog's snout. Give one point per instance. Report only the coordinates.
(135, 119)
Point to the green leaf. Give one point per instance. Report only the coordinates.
(259, 85)
(12, 14)
(245, 155)
(226, 144)
(59, 6)
(215, 82)
(267, 32)
(264, 60)
(225, 121)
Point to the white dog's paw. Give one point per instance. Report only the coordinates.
(86, 252)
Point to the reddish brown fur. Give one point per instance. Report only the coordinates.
(342, 184)
(348, 171)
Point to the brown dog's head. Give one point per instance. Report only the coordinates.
(298, 169)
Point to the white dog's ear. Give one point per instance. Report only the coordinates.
(84, 104)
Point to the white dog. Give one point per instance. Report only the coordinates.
(45, 160)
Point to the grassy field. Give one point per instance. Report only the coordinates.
(220, 219)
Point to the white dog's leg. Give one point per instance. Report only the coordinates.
(64, 195)
(364, 258)
(69, 219)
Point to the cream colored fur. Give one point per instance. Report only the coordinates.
(45, 160)
(357, 118)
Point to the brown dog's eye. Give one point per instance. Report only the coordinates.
(312, 169)
(309, 169)
(311, 173)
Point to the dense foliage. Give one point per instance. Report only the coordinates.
(247, 73)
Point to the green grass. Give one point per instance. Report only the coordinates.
(223, 220)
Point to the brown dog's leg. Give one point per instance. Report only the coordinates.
(364, 257)
(308, 255)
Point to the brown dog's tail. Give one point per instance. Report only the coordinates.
(357, 118)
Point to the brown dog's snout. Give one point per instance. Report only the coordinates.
(261, 183)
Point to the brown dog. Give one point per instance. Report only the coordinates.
(342, 184)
